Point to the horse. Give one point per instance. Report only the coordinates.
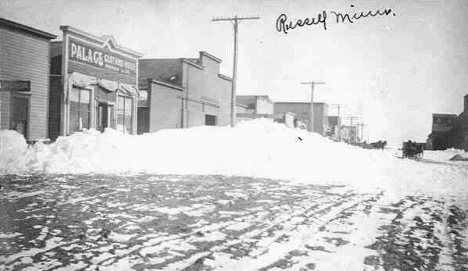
(379, 144)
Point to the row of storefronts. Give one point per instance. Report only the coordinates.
(53, 88)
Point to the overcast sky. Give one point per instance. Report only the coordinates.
(391, 71)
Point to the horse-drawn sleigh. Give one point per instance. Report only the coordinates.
(413, 149)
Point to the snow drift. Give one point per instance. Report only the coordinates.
(258, 148)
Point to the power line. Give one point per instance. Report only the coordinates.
(234, 69)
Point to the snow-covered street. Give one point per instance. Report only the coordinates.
(218, 223)
(331, 207)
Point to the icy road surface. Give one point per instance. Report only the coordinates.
(169, 222)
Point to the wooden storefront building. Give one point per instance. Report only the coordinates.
(93, 84)
(24, 79)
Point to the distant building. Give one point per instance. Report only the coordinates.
(449, 130)
(261, 106)
(349, 134)
(182, 93)
(301, 111)
(334, 126)
(442, 125)
(24, 79)
(93, 84)
(254, 106)
(459, 135)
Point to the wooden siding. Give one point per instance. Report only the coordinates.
(26, 57)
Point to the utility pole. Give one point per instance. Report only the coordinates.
(310, 123)
(235, 21)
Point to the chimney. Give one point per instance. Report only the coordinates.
(465, 107)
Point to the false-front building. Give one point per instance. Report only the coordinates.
(93, 84)
(183, 93)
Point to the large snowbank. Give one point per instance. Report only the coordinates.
(257, 148)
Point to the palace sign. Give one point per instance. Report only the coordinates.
(100, 57)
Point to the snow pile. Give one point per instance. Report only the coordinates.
(13, 147)
(257, 148)
(445, 155)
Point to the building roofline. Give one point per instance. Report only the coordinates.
(104, 39)
(210, 56)
(258, 96)
(444, 115)
(242, 105)
(185, 60)
(227, 78)
(169, 85)
(25, 28)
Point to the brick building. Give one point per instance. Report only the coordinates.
(93, 84)
(24, 79)
(182, 93)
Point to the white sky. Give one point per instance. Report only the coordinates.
(393, 72)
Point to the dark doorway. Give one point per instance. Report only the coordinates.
(143, 120)
(210, 120)
(105, 116)
(19, 115)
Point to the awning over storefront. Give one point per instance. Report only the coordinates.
(108, 85)
(85, 81)
(81, 80)
(128, 89)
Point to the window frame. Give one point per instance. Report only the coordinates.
(122, 108)
(79, 111)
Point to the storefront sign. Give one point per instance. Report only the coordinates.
(100, 57)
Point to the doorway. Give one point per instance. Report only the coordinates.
(105, 116)
(210, 120)
(19, 115)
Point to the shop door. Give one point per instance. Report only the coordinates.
(105, 116)
(19, 115)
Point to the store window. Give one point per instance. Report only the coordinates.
(125, 114)
(79, 109)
